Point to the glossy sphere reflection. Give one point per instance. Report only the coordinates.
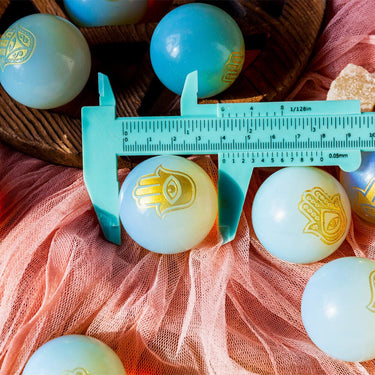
(338, 309)
(197, 37)
(74, 355)
(168, 204)
(360, 187)
(90, 13)
(301, 214)
(44, 61)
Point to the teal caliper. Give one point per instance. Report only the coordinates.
(243, 135)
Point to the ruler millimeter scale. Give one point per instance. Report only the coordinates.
(243, 135)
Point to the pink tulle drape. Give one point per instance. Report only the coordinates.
(218, 309)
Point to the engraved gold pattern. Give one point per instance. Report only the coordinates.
(365, 199)
(371, 305)
(76, 371)
(326, 215)
(233, 66)
(17, 45)
(165, 190)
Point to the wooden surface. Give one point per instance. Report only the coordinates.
(279, 38)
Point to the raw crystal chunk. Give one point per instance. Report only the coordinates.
(354, 82)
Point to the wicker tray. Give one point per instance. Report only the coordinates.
(279, 38)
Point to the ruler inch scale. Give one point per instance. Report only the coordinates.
(243, 135)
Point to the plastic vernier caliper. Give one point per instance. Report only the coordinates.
(243, 135)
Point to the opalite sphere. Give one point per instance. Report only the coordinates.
(74, 355)
(301, 214)
(198, 37)
(89, 13)
(168, 204)
(44, 61)
(338, 309)
(360, 187)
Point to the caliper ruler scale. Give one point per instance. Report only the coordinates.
(243, 135)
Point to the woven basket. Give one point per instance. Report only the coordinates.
(279, 38)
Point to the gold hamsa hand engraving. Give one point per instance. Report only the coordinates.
(165, 191)
(232, 67)
(371, 305)
(76, 371)
(365, 199)
(16, 46)
(326, 215)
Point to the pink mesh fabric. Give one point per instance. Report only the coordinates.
(231, 309)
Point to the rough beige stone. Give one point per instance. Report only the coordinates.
(354, 82)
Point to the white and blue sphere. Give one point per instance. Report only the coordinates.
(89, 13)
(301, 214)
(168, 204)
(360, 187)
(45, 61)
(338, 309)
(198, 37)
(74, 355)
